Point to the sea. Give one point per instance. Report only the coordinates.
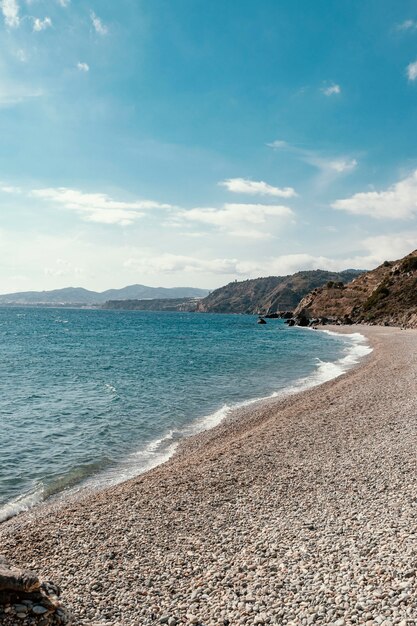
(90, 398)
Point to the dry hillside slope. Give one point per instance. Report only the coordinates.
(386, 295)
(269, 295)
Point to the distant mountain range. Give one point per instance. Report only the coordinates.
(269, 295)
(386, 295)
(79, 296)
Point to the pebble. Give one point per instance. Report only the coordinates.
(300, 512)
(38, 609)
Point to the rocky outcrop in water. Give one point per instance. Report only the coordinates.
(25, 599)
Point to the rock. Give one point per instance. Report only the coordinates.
(261, 321)
(15, 579)
(24, 597)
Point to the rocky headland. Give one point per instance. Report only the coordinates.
(386, 296)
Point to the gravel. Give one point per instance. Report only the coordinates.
(299, 511)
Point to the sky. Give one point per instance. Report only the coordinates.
(195, 142)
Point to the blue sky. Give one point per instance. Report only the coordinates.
(191, 142)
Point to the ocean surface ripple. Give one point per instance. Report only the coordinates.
(96, 397)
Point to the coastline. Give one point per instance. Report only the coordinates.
(267, 518)
(160, 450)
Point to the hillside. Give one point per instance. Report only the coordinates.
(156, 304)
(79, 296)
(385, 295)
(269, 295)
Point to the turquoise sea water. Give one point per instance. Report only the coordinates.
(99, 396)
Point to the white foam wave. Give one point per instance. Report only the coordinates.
(22, 503)
(357, 347)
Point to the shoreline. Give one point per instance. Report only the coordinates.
(358, 349)
(278, 516)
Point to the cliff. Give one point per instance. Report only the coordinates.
(386, 295)
(269, 295)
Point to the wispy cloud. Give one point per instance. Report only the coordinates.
(256, 188)
(97, 207)
(98, 25)
(83, 67)
(12, 94)
(412, 71)
(21, 55)
(332, 90)
(407, 25)
(399, 201)
(328, 166)
(340, 165)
(278, 144)
(64, 3)
(10, 10)
(39, 25)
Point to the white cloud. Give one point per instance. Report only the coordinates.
(399, 201)
(390, 247)
(10, 10)
(99, 27)
(252, 187)
(39, 25)
(238, 219)
(407, 25)
(412, 71)
(83, 67)
(9, 189)
(173, 263)
(332, 90)
(64, 3)
(97, 207)
(372, 252)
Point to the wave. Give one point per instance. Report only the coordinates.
(96, 476)
(160, 450)
(22, 503)
(355, 350)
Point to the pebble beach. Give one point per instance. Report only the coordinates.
(294, 511)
